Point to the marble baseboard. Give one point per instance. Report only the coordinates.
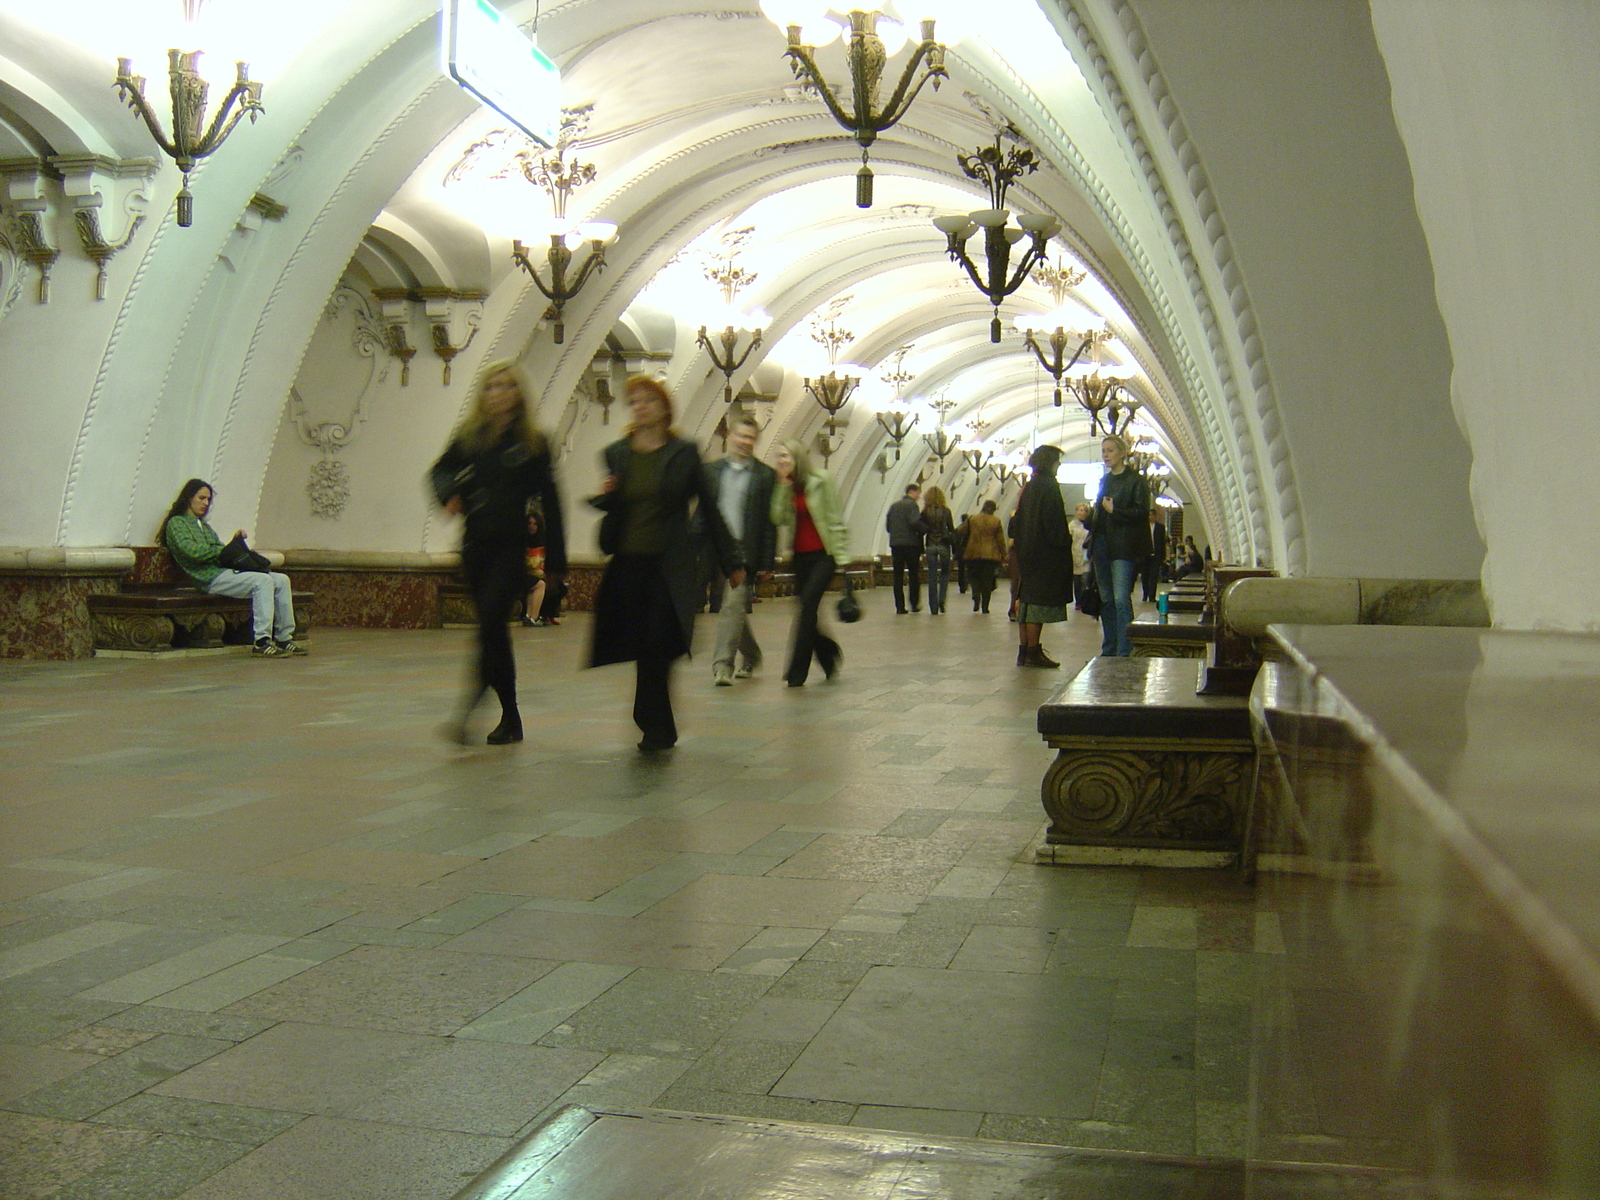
(1129, 856)
(46, 615)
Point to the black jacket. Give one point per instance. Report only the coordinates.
(495, 486)
(759, 545)
(937, 526)
(1125, 531)
(682, 479)
(1044, 547)
(901, 522)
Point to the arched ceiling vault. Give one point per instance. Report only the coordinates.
(697, 126)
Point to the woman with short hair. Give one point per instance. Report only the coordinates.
(495, 464)
(1121, 542)
(645, 606)
(806, 500)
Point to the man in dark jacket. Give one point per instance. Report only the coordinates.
(1158, 555)
(905, 548)
(743, 490)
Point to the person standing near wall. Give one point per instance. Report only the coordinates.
(1079, 527)
(742, 487)
(645, 605)
(905, 548)
(1121, 543)
(805, 498)
(1044, 556)
(1158, 554)
(494, 465)
(985, 551)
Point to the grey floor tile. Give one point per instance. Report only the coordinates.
(167, 1166)
(879, 1048)
(199, 1118)
(96, 1089)
(661, 1012)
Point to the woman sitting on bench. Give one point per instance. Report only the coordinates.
(197, 550)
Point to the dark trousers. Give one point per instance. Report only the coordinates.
(813, 569)
(652, 700)
(1150, 575)
(982, 572)
(497, 577)
(906, 558)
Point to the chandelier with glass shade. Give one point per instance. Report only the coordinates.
(997, 168)
(558, 178)
(1066, 324)
(833, 388)
(873, 36)
(941, 442)
(729, 278)
(895, 413)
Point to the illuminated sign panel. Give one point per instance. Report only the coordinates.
(495, 61)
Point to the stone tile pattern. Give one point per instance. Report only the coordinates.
(261, 934)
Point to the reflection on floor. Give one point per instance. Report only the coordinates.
(677, 1156)
(262, 935)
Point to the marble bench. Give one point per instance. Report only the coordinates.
(160, 618)
(1146, 771)
(1184, 635)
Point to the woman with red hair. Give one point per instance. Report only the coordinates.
(644, 608)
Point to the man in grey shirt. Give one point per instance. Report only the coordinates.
(905, 548)
(743, 488)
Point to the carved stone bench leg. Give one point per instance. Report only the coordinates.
(203, 630)
(132, 631)
(1188, 794)
(1152, 649)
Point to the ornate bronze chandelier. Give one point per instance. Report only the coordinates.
(997, 169)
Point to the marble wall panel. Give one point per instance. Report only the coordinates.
(374, 599)
(45, 616)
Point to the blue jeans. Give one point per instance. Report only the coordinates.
(938, 577)
(1114, 577)
(271, 606)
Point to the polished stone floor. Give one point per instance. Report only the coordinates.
(262, 934)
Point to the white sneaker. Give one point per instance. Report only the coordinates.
(744, 672)
(722, 677)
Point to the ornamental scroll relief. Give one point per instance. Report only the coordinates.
(348, 356)
(1135, 797)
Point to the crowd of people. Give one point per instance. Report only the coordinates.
(665, 512)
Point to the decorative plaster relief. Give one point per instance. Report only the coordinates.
(351, 334)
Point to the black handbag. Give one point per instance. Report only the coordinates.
(236, 556)
(849, 609)
(1089, 602)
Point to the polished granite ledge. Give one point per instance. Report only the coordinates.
(1253, 604)
(1440, 993)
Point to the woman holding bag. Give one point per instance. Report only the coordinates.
(806, 500)
(644, 608)
(495, 463)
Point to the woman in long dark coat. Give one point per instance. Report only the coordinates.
(645, 606)
(496, 462)
(1044, 556)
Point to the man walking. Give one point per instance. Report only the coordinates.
(743, 490)
(905, 548)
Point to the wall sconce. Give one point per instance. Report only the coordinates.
(896, 415)
(832, 391)
(866, 55)
(997, 170)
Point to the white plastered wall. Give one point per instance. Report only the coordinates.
(1498, 106)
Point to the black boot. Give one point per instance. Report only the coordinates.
(509, 730)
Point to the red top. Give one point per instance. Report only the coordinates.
(806, 536)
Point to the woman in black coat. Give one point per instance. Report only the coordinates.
(645, 606)
(496, 462)
(1044, 557)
